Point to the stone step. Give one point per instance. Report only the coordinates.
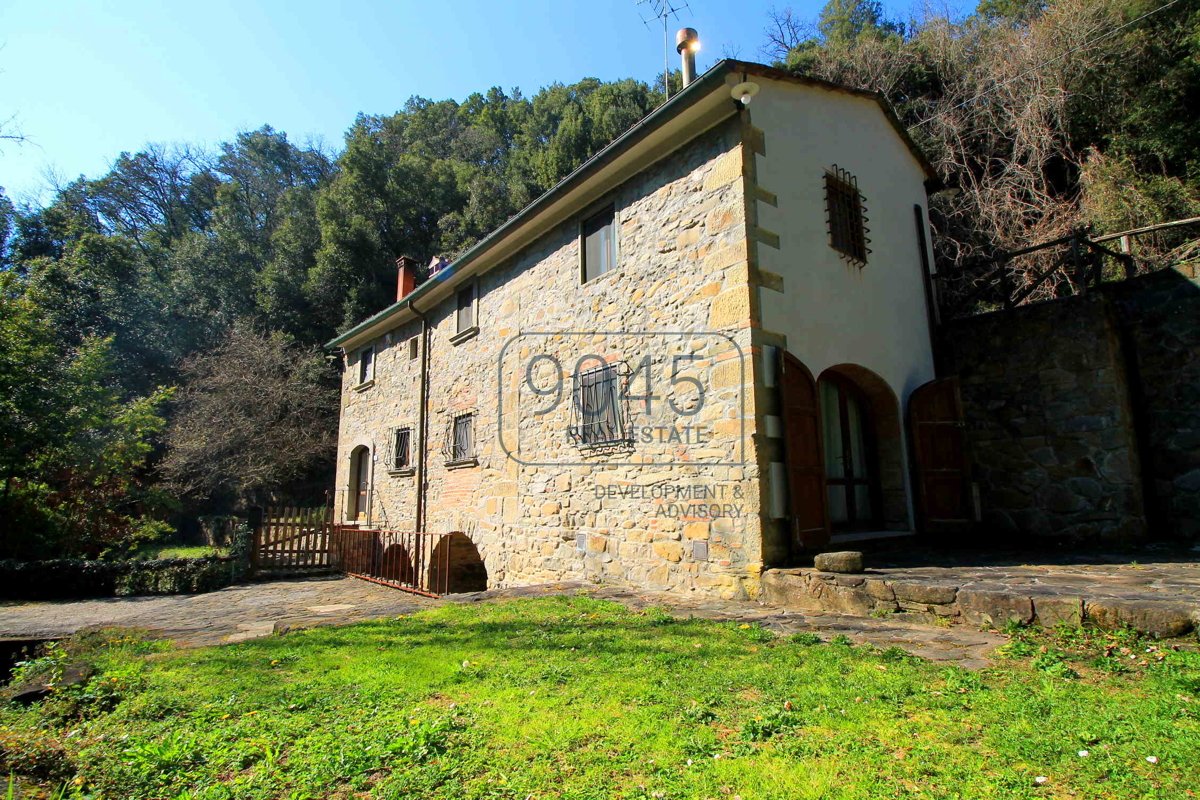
(979, 604)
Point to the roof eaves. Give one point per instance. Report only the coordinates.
(652, 121)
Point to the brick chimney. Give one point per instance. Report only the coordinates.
(406, 276)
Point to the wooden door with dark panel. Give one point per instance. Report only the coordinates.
(943, 474)
(804, 456)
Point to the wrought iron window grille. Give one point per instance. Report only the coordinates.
(459, 445)
(846, 216)
(600, 407)
(399, 452)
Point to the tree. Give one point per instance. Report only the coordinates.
(255, 417)
(73, 453)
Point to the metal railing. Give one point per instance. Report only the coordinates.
(405, 560)
(1065, 266)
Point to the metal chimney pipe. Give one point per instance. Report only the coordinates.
(687, 42)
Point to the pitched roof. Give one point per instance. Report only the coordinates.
(702, 89)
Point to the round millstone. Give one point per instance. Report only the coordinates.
(844, 561)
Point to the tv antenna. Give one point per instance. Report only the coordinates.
(663, 10)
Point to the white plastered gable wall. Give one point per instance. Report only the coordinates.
(832, 311)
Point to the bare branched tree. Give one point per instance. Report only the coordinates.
(988, 103)
(785, 32)
(255, 415)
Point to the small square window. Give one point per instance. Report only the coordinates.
(460, 439)
(598, 243)
(466, 308)
(401, 455)
(366, 364)
(846, 212)
(412, 348)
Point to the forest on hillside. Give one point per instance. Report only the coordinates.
(161, 325)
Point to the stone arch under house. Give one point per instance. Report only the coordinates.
(862, 432)
(458, 557)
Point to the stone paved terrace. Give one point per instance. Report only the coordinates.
(1156, 590)
(252, 610)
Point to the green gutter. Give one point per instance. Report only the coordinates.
(648, 124)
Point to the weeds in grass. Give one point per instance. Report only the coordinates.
(579, 698)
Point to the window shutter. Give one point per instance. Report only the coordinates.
(390, 454)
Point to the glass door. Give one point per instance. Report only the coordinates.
(849, 456)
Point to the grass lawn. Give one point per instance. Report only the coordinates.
(155, 551)
(579, 698)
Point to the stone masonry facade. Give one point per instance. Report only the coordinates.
(678, 508)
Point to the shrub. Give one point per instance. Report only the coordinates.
(65, 578)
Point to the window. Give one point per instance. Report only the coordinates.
(466, 308)
(598, 407)
(400, 456)
(366, 364)
(598, 244)
(846, 216)
(412, 348)
(460, 439)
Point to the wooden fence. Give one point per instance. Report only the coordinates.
(293, 539)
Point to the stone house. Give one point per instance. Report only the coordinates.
(690, 360)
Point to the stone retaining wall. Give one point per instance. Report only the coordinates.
(1082, 414)
(976, 604)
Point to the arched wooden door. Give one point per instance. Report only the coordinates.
(804, 456)
(360, 483)
(943, 474)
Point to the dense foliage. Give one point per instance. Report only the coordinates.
(218, 274)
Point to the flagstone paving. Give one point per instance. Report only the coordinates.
(891, 604)
(261, 609)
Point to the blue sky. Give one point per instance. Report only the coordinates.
(87, 80)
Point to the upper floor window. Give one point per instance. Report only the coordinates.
(466, 313)
(846, 214)
(412, 348)
(366, 364)
(598, 243)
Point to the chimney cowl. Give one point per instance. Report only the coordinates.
(406, 276)
(687, 42)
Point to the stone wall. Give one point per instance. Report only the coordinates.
(1049, 422)
(1082, 414)
(538, 506)
(1159, 318)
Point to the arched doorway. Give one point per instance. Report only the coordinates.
(864, 453)
(851, 455)
(360, 484)
(455, 566)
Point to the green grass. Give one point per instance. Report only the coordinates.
(155, 551)
(579, 698)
